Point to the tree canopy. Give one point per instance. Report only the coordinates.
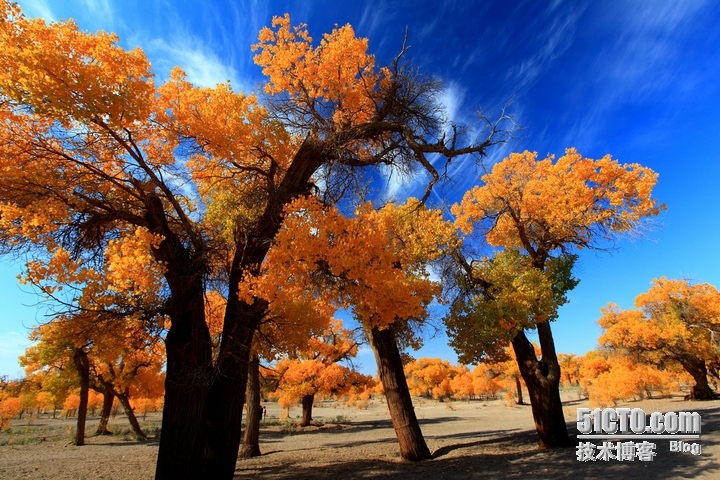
(673, 322)
(94, 152)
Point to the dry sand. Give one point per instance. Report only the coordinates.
(468, 439)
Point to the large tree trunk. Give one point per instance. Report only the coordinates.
(307, 404)
(82, 365)
(698, 370)
(202, 417)
(227, 394)
(108, 399)
(251, 439)
(130, 413)
(397, 394)
(543, 383)
(189, 375)
(226, 397)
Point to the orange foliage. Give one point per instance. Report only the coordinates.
(375, 263)
(674, 321)
(438, 379)
(338, 71)
(71, 404)
(316, 371)
(9, 407)
(430, 377)
(570, 366)
(126, 195)
(610, 379)
(485, 380)
(543, 205)
(462, 384)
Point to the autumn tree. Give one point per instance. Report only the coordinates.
(121, 360)
(673, 322)
(376, 265)
(625, 379)
(9, 407)
(317, 371)
(107, 320)
(295, 315)
(430, 377)
(90, 147)
(538, 211)
(570, 365)
(486, 381)
(462, 383)
(511, 373)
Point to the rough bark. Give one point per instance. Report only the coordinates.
(390, 368)
(251, 439)
(184, 420)
(130, 413)
(698, 370)
(108, 399)
(227, 392)
(307, 405)
(189, 357)
(82, 365)
(543, 383)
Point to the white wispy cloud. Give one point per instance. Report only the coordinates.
(372, 17)
(646, 62)
(99, 12)
(452, 101)
(39, 9)
(214, 50)
(202, 66)
(550, 43)
(647, 53)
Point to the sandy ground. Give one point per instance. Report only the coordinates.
(468, 439)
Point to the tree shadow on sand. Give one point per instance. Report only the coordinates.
(514, 456)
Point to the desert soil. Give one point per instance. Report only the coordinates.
(476, 439)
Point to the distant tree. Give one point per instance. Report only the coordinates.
(430, 377)
(120, 361)
(462, 383)
(316, 371)
(9, 407)
(570, 367)
(674, 322)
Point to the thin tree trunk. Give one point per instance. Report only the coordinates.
(397, 394)
(543, 383)
(130, 414)
(518, 385)
(108, 399)
(698, 370)
(307, 405)
(82, 365)
(251, 440)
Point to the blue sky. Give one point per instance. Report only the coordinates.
(635, 79)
